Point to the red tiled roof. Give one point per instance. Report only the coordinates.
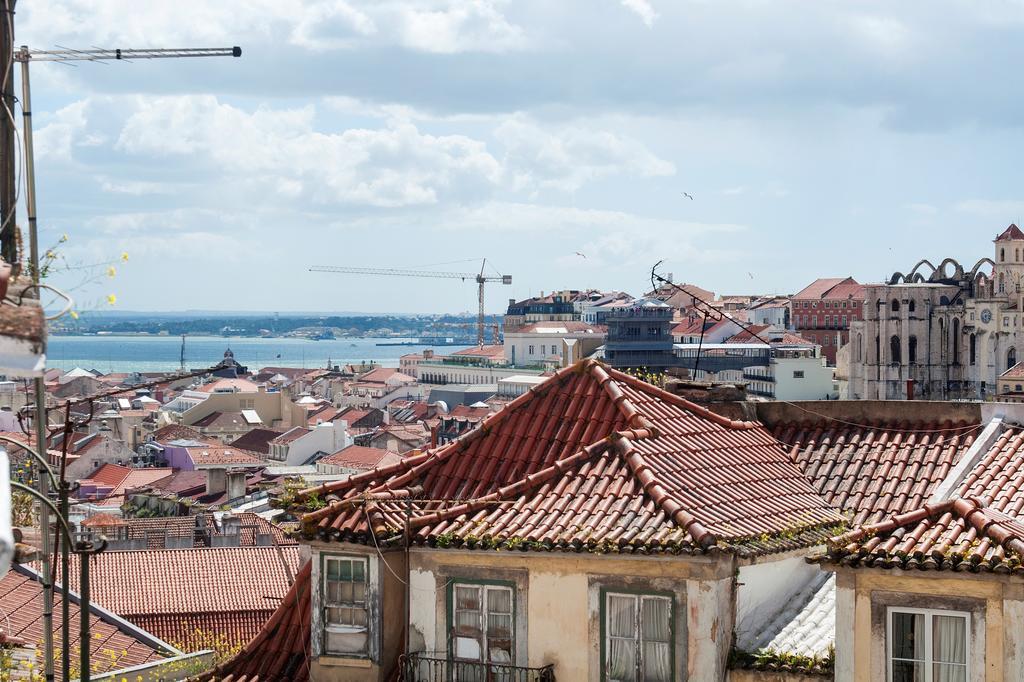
(290, 435)
(820, 287)
(467, 412)
(121, 478)
(958, 534)
(103, 521)
(112, 648)
(1015, 372)
(256, 440)
(280, 652)
(846, 290)
(361, 457)
(379, 375)
(110, 474)
(1011, 232)
(211, 455)
(875, 472)
(171, 586)
(486, 351)
(157, 530)
(222, 420)
(176, 432)
(593, 458)
(239, 385)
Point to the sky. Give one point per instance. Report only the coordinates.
(554, 138)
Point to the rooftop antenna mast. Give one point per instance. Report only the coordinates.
(24, 56)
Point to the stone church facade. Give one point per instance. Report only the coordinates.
(941, 333)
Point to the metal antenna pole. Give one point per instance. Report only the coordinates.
(40, 417)
(24, 55)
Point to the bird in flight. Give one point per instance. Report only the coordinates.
(687, 196)
(580, 254)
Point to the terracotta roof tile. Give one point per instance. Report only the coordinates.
(1011, 232)
(873, 472)
(593, 458)
(280, 652)
(361, 457)
(21, 602)
(167, 588)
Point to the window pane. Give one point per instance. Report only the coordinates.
(906, 671)
(621, 660)
(346, 570)
(333, 570)
(621, 616)
(358, 574)
(656, 662)
(499, 600)
(499, 626)
(467, 647)
(467, 623)
(347, 642)
(908, 635)
(949, 639)
(655, 619)
(948, 672)
(467, 598)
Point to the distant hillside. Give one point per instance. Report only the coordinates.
(273, 325)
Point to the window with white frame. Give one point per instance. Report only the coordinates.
(482, 623)
(928, 645)
(346, 605)
(638, 637)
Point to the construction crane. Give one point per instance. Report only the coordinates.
(481, 279)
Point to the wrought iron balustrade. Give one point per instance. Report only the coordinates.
(439, 667)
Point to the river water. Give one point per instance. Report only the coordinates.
(162, 353)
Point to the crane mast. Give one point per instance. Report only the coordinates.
(480, 278)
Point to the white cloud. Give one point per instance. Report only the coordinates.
(56, 140)
(458, 26)
(133, 187)
(330, 25)
(643, 9)
(922, 209)
(397, 165)
(567, 158)
(441, 26)
(1005, 209)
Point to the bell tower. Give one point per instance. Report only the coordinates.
(1008, 274)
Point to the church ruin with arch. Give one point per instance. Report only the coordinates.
(942, 332)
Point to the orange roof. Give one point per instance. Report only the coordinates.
(593, 456)
(211, 455)
(172, 586)
(486, 351)
(361, 457)
(104, 521)
(281, 649)
(820, 287)
(114, 646)
(240, 385)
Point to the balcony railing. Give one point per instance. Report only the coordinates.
(438, 667)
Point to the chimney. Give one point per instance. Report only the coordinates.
(235, 483)
(216, 481)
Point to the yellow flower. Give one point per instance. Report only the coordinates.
(74, 314)
(63, 237)
(111, 299)
(124, 256)
(111, 271)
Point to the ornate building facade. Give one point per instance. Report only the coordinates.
(942, 333)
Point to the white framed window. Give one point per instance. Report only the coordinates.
(637, 637)
(927, 645)
(482, 623)
(346, 606)
(531, 350)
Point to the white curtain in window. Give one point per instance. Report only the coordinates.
(621, 638)
(657, 639)
(949, 649)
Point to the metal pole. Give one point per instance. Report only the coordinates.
(83, 617)
(8, 188)
(40, 417)
(65, 612)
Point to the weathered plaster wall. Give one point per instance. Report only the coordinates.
(996, 603)
(558, 604)
(765, 676)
